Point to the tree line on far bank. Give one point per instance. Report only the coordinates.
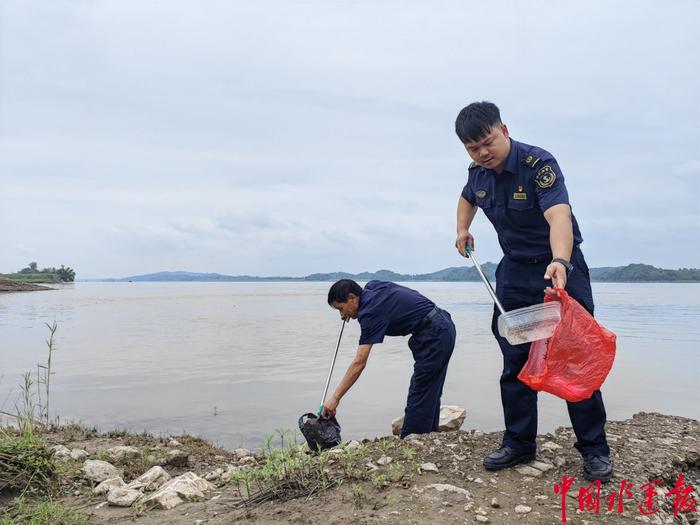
(32, 273)
(631, 273)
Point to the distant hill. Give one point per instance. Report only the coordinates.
(192, 276)
(463, 273)
(630, 273)
(633, 273)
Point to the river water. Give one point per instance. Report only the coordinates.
(232, 362)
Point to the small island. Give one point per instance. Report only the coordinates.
(29, 278)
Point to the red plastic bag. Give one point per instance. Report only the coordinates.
(574, 362)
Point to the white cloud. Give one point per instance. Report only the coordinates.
(279, 138)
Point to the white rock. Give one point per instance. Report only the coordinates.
(242, 453)
(78, 454)
(230, 469)
(123, 497)
(522, 509)
(165, 500)
(494, 503)
(214, 475)
(384, 460)
(60, 451)
(177, 458)
(445, 487)
(482, 519)
(541, 465)
(559, 461)
(172, 442)
(187, 487)
(151, 479)
(107, 485)
(550, 446)
(98, 471)
(121, 453)
(429, 467)
(352, 445)
(526, 470)
(451, 417)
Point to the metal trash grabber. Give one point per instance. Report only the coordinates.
(522, 325)
(330, 372)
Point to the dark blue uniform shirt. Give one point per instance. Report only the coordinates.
(515, 200)
(389, 309)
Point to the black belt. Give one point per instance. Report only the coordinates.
(426, 321)
(540, 258)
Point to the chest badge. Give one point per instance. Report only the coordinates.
(480, 193)
(545, 177)
(520, 195)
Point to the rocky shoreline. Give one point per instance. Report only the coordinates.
(438, 477)
(8, 285)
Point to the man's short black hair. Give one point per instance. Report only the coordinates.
(476, 120)
(341, 289)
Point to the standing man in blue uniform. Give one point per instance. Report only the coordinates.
(385, 308)
(521, 190)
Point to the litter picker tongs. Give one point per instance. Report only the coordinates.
(330, 372)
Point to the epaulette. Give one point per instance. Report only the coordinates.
(531, 161)
(473, 165)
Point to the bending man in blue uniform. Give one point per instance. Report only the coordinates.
(521, 190)
(385, 308)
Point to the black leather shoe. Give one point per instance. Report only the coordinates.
(506, 457)
(597, 468)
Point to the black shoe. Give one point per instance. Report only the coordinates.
(597, 468)
(506, 457)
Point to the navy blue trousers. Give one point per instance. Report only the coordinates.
(432, 348)
(520, 284)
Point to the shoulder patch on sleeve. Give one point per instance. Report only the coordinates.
(531, 161)
(473, 165)
(545, 177)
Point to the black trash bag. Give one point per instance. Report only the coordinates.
(320, 434)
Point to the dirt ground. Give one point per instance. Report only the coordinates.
(396, 491)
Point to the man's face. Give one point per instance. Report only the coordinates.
(492, 150)
(348, 309)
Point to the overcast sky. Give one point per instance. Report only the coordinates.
(284, 138)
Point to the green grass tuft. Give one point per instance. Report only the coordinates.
(20, 512)
(25, 463)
